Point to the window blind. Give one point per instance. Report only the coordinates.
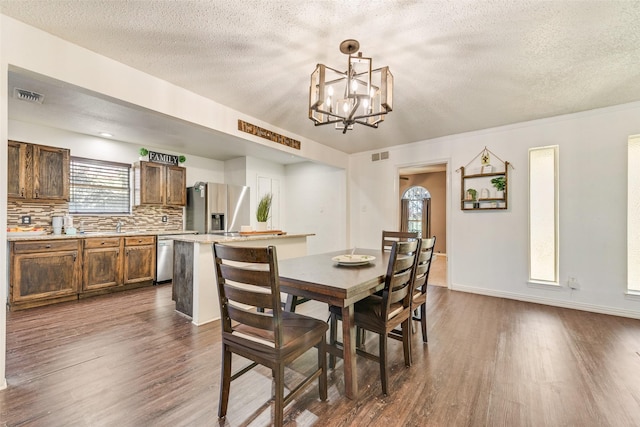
(99, 187)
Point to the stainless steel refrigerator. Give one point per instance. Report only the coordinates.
(217, 208)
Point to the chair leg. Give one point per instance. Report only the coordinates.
(333, 337)
(406, 340)
(423, 321)
(384, 376)
(278, 409)
(225, 381)
(322, 364)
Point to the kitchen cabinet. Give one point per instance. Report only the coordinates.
(102, 258)
(176, 194)
(159, 184)
(139, 259)
(50, 270)
(44, 271)
(37, 172)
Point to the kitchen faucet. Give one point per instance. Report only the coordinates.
(118, 226)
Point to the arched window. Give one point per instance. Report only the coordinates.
(415, 211)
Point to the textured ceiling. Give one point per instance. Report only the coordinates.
(458, 65)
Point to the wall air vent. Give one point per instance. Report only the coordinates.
(384, 155)
(27, 95)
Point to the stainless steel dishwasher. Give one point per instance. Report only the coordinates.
(164, 259)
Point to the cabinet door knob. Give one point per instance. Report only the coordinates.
(48, 246)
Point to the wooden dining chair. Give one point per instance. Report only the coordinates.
(420, 284)
(388, 237)
(383, 313)
(248, 279)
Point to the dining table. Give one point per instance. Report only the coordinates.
(321, 277)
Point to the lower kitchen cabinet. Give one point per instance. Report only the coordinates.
(139, 259)
(102, 263)
(48, 271)
(44, 271)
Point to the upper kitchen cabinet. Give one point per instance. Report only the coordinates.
(159, 184)
(176, 186)
(37, 172)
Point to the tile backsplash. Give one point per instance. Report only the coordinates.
(147, 218)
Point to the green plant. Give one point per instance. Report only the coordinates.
(144, 151)
(473, 193)
(499, 183)
(182, 159)
(264, 208)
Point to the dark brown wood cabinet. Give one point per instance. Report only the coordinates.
(158, 184)
(16, 170)
(48, 271)
(102, 259)
(139, 259)
(37, 172)
(44, 271)
(176, 193)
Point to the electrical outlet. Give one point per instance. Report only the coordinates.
(164, 218)
(573, 283)
(26, 219)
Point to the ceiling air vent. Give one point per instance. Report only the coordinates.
(27, 95)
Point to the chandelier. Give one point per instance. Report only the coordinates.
(358, 95)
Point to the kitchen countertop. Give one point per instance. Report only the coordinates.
(30, 236)
(218, 238)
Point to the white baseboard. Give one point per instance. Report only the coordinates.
(593, 308)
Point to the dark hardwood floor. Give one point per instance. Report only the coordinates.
(129, 359)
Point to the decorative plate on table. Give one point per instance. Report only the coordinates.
(353, 259)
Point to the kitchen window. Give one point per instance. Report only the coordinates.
(99, 187)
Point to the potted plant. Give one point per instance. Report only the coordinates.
(143, 153)
(471, 194)
(182, 159)
(263, 211)
(500, 183)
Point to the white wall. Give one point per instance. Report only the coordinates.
(317, 203)
(488, 251)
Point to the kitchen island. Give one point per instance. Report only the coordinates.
(194, 280)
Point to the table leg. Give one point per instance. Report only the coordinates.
(349, 350)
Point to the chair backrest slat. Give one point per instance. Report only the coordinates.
(388, 237)
(251, 318)
(248, 281)
(248, 297)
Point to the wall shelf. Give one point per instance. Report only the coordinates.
(477, 193)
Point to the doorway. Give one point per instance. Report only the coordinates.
(433, 179)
